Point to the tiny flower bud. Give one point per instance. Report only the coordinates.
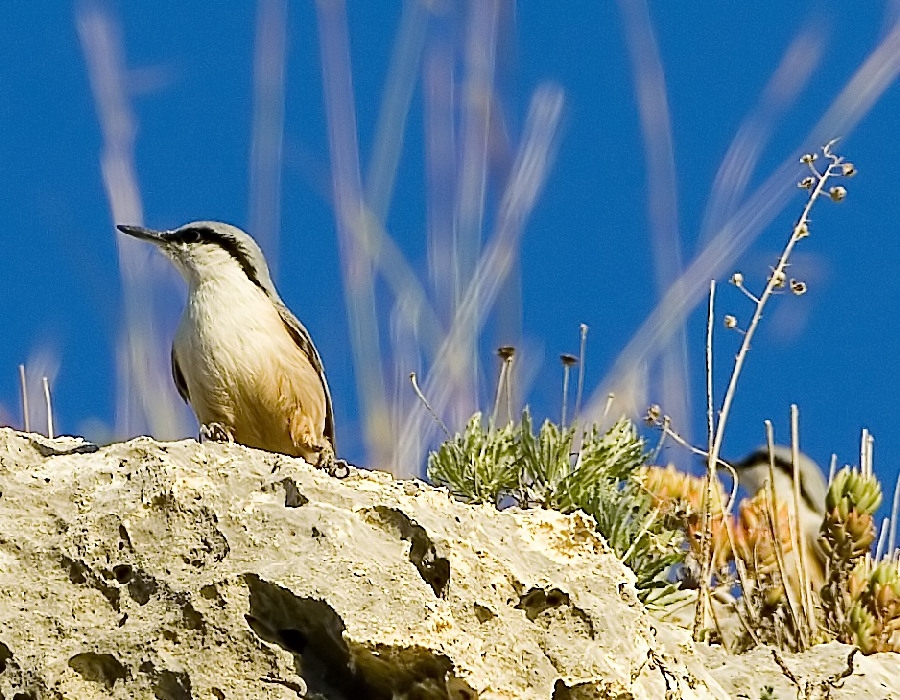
(848, 169)
(778, 278)
(730, 321)
(808, 158)
(802, 230)
(806, 183)
(837, 193)
(798, 287)
(737, 279)
(653, 414)
(506, 352)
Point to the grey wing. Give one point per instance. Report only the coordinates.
(304, 342)
(178, 376)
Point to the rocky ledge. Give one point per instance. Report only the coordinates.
(183, 571)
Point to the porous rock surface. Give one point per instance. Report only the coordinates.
(182, 571)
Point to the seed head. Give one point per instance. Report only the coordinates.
(730, 321)
(837, 193)
(568, 360)
(506, 352)
(737, 279)
(798, 287)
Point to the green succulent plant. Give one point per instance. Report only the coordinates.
(516, 465)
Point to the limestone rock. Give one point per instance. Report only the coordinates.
(182, 571)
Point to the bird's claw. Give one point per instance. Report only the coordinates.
(337, 468)
(215, 432)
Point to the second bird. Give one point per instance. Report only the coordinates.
(240, 358)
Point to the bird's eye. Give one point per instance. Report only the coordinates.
(191, 235)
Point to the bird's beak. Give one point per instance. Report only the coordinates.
(146, 234)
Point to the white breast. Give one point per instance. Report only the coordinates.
(237, 359)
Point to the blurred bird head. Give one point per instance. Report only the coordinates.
(753, 472)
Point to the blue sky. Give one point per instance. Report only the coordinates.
(586, 250)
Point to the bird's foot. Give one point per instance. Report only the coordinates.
(337, 468)
(216, 432)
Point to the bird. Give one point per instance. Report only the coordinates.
(243, 362)
(753, 474)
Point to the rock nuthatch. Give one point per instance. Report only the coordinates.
(753, 473)
(240, 358)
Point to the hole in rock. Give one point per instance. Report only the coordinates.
(98, 668)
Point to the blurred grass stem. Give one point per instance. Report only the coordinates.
(146, 398)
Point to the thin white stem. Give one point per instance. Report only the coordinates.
(509, 413)
(710, 415)
(882, 538)
(667, 431)
(870, 450)
(415, 386)
(644, 530)
(776, 280)
(24, 388)
(863, 452)
(778, 273)
(582, 348)
(771, 501)
(747, 293)
(500, 382)
(895, 510)
(703, 598)
(809, 626)
(49, 407)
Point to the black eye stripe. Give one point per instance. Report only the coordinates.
(208, 236)
(193, 235)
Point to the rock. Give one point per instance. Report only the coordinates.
(182, 571)
(825, 672)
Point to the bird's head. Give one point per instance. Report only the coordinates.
(205, 250)
(753, 472)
